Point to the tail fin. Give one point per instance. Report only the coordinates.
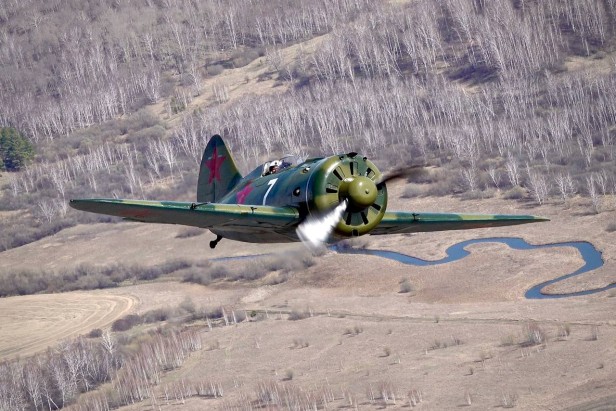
(218, 173)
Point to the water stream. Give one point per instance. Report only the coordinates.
(591, 256)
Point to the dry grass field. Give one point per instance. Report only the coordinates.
(531, 81)
(458, 339)
(33, 323)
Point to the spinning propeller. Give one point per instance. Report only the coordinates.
(350, 198)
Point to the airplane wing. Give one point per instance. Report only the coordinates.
(397, 222)
(209, 215)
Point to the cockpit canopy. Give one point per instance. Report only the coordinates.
(264, 169)
(276, 166)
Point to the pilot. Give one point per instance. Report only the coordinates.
(274, 167)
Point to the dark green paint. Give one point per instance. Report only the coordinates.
(268, 208)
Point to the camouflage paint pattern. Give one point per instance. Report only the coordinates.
(268, 208)
(250, 223)
(218, 173)
(398, 222)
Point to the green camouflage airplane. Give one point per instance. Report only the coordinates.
(317, 200)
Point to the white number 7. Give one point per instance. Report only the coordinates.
(270, 184)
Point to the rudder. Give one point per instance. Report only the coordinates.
(218, 173)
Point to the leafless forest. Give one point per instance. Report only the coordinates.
(516, 97)
(508, 97)
(53, 380)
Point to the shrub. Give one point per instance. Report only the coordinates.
(126, 323)
(241, 58)
(611, 227)
(188, 305)
(516, 193)
(298, 315)
(93, 281)
(157, 315)
(214, 313)
(95, 333)
(197, 276)
(215, 69)
(151, 273)
(534, 334)
(405, 286)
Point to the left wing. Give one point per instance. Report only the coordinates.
(397, 222)
(210, 215)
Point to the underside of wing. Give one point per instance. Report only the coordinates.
(397, 222)
(211, 215)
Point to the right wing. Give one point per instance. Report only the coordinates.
(396, 222)
(210, 215)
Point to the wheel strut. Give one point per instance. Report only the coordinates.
(214, 243)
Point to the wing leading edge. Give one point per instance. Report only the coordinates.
(211, 215)
(398, 222)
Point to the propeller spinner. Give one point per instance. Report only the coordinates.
(351, 180)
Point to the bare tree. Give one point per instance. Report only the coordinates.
(538, 186)
(592, 192)
(565, 185)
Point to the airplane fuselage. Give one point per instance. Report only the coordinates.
(312, 187)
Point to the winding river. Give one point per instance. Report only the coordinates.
(591, 256)
(592, 260)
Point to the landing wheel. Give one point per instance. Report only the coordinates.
(214, 243)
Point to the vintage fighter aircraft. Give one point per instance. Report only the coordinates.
(317, 200)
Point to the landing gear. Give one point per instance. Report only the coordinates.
(213, 243)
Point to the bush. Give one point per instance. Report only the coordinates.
(95, 333)
(611, 227)
(126, 323)
(516, 193)
(241, 58)
(405, 286)
(151, 273)
(197, 276)
(534, 334)
(157, 315)
(298, 315)
(215, 69)
(188, 305)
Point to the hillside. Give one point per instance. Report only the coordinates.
(510, 103)
(517, 97)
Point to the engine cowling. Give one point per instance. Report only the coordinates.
(353, 178)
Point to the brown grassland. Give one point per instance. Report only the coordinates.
(458, 338)
(510, 102)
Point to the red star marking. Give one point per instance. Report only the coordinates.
(243, 193)
(213, 164)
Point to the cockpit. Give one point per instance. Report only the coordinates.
(276, 166)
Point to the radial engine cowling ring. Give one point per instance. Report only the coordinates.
(353, 178)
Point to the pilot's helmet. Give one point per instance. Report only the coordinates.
(274, 166)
